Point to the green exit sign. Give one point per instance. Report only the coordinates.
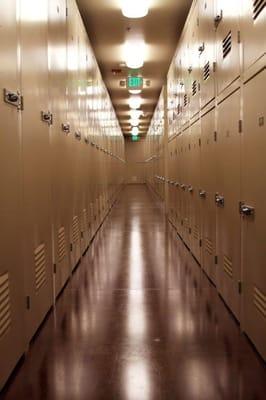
(135, 82)
(135, 138)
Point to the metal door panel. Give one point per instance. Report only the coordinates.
(253, 27)
(228, 186)
(60, 143)
(208, 185)
(37, 227)
(227, 42)
(253, 226)
(12, 295)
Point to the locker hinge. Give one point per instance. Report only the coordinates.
(240, 287)
(197, 21)
(215, 136)
(216, 260)
(214, 66)
(71, 247)
(199, 142)
(28, 302)
(54, 268)
(200, 243)
(66, 11)
(189, 231)
(81, 235)
(238, 37)
(240, 126)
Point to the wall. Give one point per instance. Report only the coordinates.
(135, 156)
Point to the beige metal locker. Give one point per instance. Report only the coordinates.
(253, 27)
(12, 297)
(75, 136)
(36, 121)
(193, 188)
(206, 50)
(253, 211)
(60, 143)
(227, 42)
(184, 158)
(227, 200)
(194, 61)
(208, 189)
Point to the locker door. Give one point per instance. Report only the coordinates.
(36, 161)
(60, 143)
(75, 137)
(179, 167)
(208, 186)
(227, 42)
(194, 62)
(183, 186)
(193, 190)
(253, 226)
(227, 200)
(206, 50)
(253, 27)
(12, 298)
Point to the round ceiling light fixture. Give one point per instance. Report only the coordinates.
(134, 52)
(135, 131)
(135, 8)
(134, 102)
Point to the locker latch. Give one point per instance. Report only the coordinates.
(65, 127)
(219, 200)
(202, 194)
(47, 117)
(218, 19)
(13, 98)
(78, 135)
(201, 48)
(247, 210)
(190, 189)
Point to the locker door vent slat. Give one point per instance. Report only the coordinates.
(258, 6)
(227, 44)
(196, 233)
(61, 244)
(40, 266)
(206, 71)
(208, 246)
(5, 307)
(194, 88)
(185, 100)
(259, 300)
(75, 230)
(228, 266)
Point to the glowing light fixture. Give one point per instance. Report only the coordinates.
(135, 8)
(135, 131)
(134, 102)
(135, 91)
(134, 122)
(135, 114)
(134, 53)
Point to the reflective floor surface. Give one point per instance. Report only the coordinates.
(139, 321)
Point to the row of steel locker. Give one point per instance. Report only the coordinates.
(61, 161)
(214, 175)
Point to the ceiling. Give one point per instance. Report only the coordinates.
(108, 28)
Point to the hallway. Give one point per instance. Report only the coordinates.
(139, 321)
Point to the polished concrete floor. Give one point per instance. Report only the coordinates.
(139, 321)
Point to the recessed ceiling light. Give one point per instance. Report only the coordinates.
(134, 102)
(135, 8)
(134, 91)
(134, 122)
(134, 53)
(135, 131)
(135, 114)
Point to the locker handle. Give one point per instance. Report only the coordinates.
(86, 140)
(201, 48)
(47, 117)
(247, 210)
(219, 200)
(183, 186)
(177, 184)
(78, 135)
(13, 98)
(190, 189)
(202, 194)
(218, 19)
(65, 127)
